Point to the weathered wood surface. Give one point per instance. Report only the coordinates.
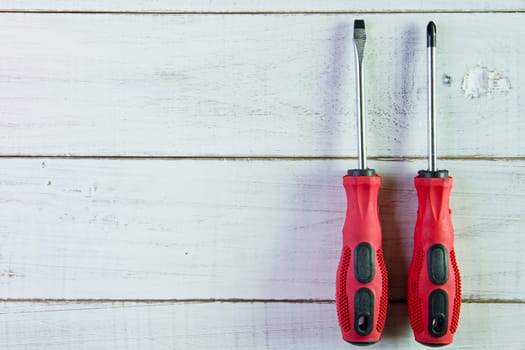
(126, 79)
(162, 229)
(47, 326)
(265, 6)
(243, 85)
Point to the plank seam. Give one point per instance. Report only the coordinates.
(228, 300)
(263, 157)
(263, 13)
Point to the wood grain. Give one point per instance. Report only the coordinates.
(207, 6)
(229, 326)
(124, 90)
(243, 85)
(160, 229)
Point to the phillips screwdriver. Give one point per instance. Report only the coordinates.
(434, 285)
(362, 284)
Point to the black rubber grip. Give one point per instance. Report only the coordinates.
(361, 172)
(438, 264)
(363, 311)
(438, 313)
(364, 262)
(436, 174)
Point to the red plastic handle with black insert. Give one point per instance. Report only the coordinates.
(434, 285)
(362, 284)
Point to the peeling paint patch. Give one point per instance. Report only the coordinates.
(10, 274)
(481, 80)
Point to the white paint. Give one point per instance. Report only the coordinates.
(158, 229)
(122, 326)
(243, 85)
(481, 80)
(258, 6)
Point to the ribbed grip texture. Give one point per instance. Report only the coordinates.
(414, 304)
(343, 313)
(383, 300)
(457, 301)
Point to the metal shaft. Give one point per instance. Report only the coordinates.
(431, 105)
(359, 47)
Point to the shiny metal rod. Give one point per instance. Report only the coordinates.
(431, 104)
(359, 48)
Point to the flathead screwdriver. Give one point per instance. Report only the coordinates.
(434, 285)
(362, 284)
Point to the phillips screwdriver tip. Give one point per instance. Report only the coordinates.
(431, 34)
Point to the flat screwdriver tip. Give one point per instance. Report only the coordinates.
(359, 38)
(359, 30)
(431, 34)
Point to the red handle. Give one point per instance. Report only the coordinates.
(362, 284)
(434, 285)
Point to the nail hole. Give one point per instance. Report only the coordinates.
(446, 79)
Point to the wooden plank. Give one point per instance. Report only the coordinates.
(230, 326)
(250, 85)
(158, 229)
(258, 6)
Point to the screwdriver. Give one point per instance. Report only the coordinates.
(434, 285)
(362, 284)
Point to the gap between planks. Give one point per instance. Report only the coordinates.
(263, 13)
(231, 301)
(262, 157)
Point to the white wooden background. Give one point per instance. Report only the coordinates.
(170, 172)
